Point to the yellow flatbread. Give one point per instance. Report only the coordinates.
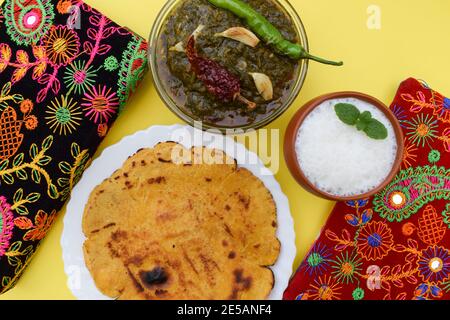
(181, 224)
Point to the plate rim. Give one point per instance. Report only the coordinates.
(75, 267)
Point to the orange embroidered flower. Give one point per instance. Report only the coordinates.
(38, 230)
(375, 241)
(26, 106)
(63, 6)
(409, 155)
(325, 288)
(31, 123)
(62, 45)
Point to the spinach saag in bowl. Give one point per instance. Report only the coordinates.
(213, 62)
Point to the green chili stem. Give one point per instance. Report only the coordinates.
(324, 61)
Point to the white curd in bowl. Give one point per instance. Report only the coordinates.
(337, 158)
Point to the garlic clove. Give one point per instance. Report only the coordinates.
(240, 34)
(197, 31)
(178, 47)
(264, 85)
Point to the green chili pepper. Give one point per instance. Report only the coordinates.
(267, 31)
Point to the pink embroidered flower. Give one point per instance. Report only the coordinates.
(6, 225)
(100, 104)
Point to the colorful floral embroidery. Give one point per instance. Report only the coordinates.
(395, 245)
(61, 87)
(133, 66)
(6, 225)
(318, 260)
(63, 6)
(375, 241)
(100, 104)
(78, 78)
(38, 230)
(417, 103)
(23, 64)
(439, 104)
(434, 156)
(421, 130)
(17, 257)
(28, 21)
(18, 167)
(358, 294)
(416, 187)
(434, 264)
(74, 170)
(64, 116)
(409, 155)
(325, 288)
(346, 267)
(427, 291)
(62, 45)
(11, 127)
(7, 98)
(111, 64)
(431, 226)
(441, 107)
(21, 201)
(400, 115)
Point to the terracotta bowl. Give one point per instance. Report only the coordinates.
(297, 121)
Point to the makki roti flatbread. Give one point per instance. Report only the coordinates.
(167, 226)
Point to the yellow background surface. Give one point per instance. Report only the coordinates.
(412, 41)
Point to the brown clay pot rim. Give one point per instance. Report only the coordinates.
(298, 119)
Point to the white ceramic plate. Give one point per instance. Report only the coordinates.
(80, 281)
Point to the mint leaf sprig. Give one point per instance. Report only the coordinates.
(350, 115)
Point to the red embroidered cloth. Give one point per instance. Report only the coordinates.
(395, 245)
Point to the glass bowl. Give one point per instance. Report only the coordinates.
(155, 48)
